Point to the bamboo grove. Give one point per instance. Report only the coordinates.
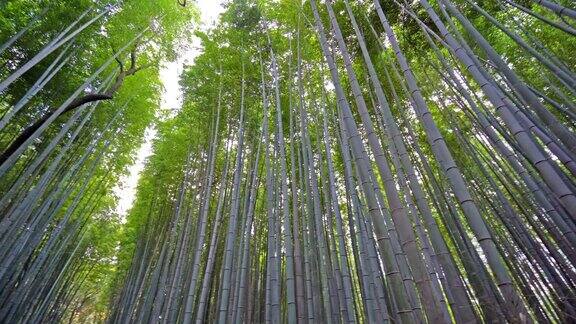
(333, 161)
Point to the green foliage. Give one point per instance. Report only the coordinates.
(138, 97)
(239, 50)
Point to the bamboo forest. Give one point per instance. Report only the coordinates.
(287, 161)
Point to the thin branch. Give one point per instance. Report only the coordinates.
(117, 58)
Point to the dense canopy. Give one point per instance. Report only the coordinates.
(384, 161)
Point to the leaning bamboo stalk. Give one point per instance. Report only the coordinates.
(232, 225)
(56, 43)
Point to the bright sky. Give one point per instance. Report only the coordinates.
(171, 100)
